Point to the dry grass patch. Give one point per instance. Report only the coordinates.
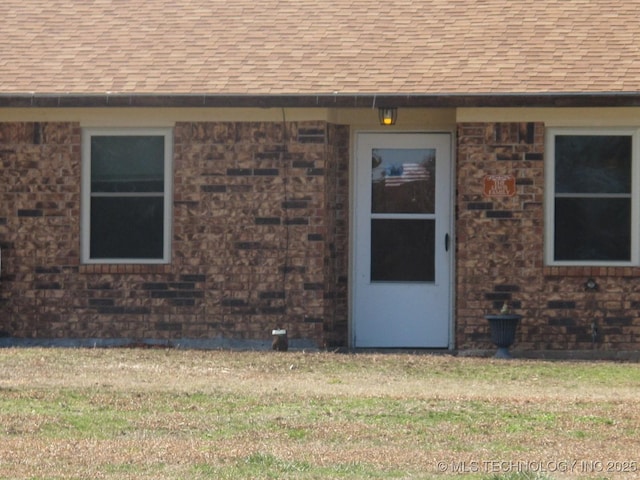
(170, 414)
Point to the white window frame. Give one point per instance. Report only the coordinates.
(85, 226)
(550, 195)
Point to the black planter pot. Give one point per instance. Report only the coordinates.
(503, 332)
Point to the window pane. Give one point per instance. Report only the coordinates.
(402, 250)
(593, 164)
(129, 227)
(593, 229)
(403, 180)
(127, 163)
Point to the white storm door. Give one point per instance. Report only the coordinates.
(402, 248)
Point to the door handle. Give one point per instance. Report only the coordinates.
(446, 242)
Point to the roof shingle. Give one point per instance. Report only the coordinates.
(305, 47)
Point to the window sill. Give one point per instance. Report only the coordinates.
(600, 271)
(125, 268)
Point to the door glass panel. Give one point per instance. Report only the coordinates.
(402, 250)
(403, 180)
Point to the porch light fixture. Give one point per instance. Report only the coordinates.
(387, 115)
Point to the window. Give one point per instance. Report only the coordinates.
(126, 193)
(592, 198)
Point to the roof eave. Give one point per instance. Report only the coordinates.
(597, 99)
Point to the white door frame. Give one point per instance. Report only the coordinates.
(352, 222)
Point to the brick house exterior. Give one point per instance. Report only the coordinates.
(259, 238)
(266, 168)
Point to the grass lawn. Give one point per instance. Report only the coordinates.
(176, 414)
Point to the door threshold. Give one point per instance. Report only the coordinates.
(401, 350)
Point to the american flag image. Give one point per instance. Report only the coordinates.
(410, 172)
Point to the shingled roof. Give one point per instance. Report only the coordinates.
(306, 52)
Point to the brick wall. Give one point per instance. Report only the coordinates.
(337, 245)
(259, 232)
(500, 255)
(39, 227)
(260, 241)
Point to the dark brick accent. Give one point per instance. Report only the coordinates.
(315, 237)
(294, 204)
(107, 310)
(233, 302)
(169, 326)
(303, 164)
(48, 286)
(101, 302)
(182, 285)
(248, 245)
(499, 214)
(531, 133)
(267, 221)
(137, 310)
(213, 188)
(313, 286)
(497, 296)
(561, 304)
(620, 321)
(580, 334)
(293, 269)
(182, 302)
(534, 156)
(479, 336)
(155, 286)
(177, 294)
(508, 156)
(271, 295)
(311, 135)
(506, 288)
(30, 213)
(268, 155)
(266, 172)
(193, 278)
(524, 181)
(38, 134)
(47, 270)
(479, 206)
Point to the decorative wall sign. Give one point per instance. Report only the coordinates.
(499, 185)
